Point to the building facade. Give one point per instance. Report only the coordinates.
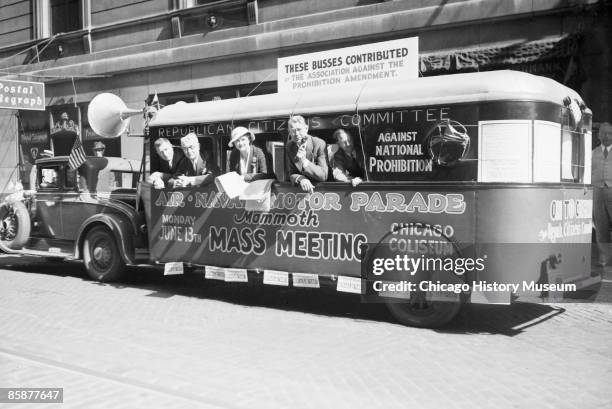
(199, 50)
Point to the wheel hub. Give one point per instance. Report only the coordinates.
(102, 254)
(8, 230)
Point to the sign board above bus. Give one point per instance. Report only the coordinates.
(388, 60)
(22, 95)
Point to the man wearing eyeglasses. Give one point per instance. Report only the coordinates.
(306, 155)
(193, 169)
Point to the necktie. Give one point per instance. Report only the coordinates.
(605, 152)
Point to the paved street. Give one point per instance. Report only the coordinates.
(185, 342)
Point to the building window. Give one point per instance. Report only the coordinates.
(65, 16)
(59, 16)
(184, 4)
(269, 87)
(215, 94)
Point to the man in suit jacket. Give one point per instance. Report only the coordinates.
(348, 165)
(306, 155)
(169, 159)
(601, 171)
(193, 169)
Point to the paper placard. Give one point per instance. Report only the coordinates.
(566, 154)
(504, 151)
(349, 284)
(214, 273)
(274, 277)
(305, 280)
(236, 275)
(231, 184)
(587, 160)
(405, 295)
(441, 296)
(173, 268)
(546, 152)
(257, 195)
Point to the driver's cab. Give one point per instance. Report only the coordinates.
(66, 197)
(55, 176)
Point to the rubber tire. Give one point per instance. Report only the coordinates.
(103, 237)
(438, 314)
(24, 225)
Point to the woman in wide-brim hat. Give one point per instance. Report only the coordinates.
(246, 159)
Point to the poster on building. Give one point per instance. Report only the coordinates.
(25, 95)
(388, 60)
(33, 141)
(65, 128)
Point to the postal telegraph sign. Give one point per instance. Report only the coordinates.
(388, 60)
(22, 95)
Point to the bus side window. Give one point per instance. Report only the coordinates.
(273, 147)
(207, 149)
(276, 153)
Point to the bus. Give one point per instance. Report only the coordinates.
(486, 175)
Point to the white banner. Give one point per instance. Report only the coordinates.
(388, 60)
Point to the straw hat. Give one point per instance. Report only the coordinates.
(238, 132)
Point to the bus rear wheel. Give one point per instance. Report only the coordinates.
(101, 255)
(423, 312)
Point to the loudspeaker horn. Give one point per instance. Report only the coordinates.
(108, 115)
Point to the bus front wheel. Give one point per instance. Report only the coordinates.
(423, 312)
(14, 225)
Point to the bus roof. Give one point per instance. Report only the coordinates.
(425, 91)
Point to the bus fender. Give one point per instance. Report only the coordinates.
(121, 229)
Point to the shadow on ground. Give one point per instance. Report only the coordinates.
(473, 319)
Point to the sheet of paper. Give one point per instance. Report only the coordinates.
(231, 184)
(566, 155)
(349, 284)
(214, 273)
(273, 277)
(173, 268)
(305, 280)
(504, 151)
(587, 162)
(237, 275)
(547, 152)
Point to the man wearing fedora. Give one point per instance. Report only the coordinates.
(247, 159)
(193, 169)
(98, 149)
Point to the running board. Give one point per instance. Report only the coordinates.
(41, 253)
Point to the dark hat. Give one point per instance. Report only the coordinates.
(98, 146)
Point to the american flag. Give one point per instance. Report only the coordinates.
(77, 155)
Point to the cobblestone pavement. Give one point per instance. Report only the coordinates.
(182, 342)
